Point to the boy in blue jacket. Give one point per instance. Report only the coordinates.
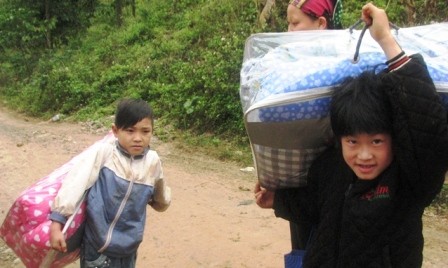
(366, 196)
(121, 177)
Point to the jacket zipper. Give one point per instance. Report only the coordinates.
(120, 210)
(347, 192)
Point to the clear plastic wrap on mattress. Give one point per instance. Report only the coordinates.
(285, 90)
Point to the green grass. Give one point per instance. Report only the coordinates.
(440, 204)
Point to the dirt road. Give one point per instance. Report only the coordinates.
(212, 222)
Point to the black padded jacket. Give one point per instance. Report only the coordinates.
(377, 223)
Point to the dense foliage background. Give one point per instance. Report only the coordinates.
(78, 57)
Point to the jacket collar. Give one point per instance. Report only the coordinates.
(125, 153)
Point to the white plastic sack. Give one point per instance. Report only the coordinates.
(285, 90)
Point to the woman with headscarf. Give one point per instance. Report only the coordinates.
(314, 15)
(310, 15)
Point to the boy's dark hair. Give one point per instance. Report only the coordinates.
(359, 106)
(131, 111)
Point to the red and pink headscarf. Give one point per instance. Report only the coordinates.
(330, 9)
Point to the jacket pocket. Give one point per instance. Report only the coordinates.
(386, 257)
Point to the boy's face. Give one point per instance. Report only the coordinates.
(135, 139)
(368, 155)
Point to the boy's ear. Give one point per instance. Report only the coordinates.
(114, 129)
(322, 23)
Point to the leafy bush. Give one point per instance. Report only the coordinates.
(440, 203)
(182, 56)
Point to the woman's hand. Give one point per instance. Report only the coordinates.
(263, 197)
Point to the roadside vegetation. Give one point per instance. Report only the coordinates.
(77, 58)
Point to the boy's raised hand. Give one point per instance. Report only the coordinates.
(377, 19)
(380, 29)
(263, 197)
(57, 239)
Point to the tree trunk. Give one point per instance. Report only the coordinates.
(431, 7)
(47, 20)
(119, 11)
(410, 11)
(265, 13)
(133, 7)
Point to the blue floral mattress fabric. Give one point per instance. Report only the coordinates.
(285, 89)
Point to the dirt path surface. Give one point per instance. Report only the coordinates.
(212, 221)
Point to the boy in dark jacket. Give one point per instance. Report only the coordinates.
(366, 196)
